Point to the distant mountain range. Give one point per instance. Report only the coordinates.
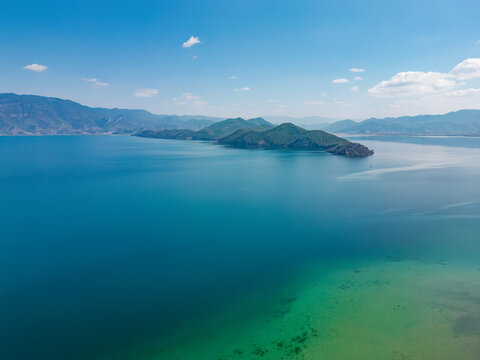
(307, 122)
(463, 122)
(39, 115)
(258, 133)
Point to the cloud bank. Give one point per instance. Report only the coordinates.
(418, 83)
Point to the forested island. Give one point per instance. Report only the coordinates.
(260, 134)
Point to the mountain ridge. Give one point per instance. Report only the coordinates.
(40, 115)
(461, 122)
(246, 134)
(212, 132)
(290, 136)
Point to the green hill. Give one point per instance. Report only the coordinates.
(258, 133)
(289, 136)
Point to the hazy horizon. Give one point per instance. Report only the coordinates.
(305, 120)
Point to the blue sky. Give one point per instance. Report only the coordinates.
(253, 57)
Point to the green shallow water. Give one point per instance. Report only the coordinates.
(396, 309)
(128, 248)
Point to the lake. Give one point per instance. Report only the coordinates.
(117, 247)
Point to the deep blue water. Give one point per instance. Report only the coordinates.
(109, 240)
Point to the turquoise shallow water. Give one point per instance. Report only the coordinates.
(129, 248)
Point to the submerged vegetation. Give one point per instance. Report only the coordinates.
(336, 315)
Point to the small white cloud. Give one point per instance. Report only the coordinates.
(146, 92)
(245, 88)
(467, 69)
(233, 77)
(36, 67)
(478, 42)
(323, 93)
(354, 88)
(309, 102)
(190, 42)
(358, 78)
(189, 98)
(195, 57)
(357, 70)
(340, 81)
(96, 82)
(271, 101)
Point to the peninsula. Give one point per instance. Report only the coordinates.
(260, 134)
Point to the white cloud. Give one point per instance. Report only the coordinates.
(358, 78)
(190, 42)
(340, 81)
(309, 102)
(413, 83)
(36, 67)
(189, 98)
(233, 77)
(245, 88)
(419, 83)
(464, 92)
(195, 57)
(146, 92)
(354, 88)
(96, 82)
(271, 101)
(467, 69)
(478, 42)
(357, 70)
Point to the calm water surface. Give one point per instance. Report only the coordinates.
(129, 248)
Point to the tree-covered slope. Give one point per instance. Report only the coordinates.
(289, 136)
(211, 133)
